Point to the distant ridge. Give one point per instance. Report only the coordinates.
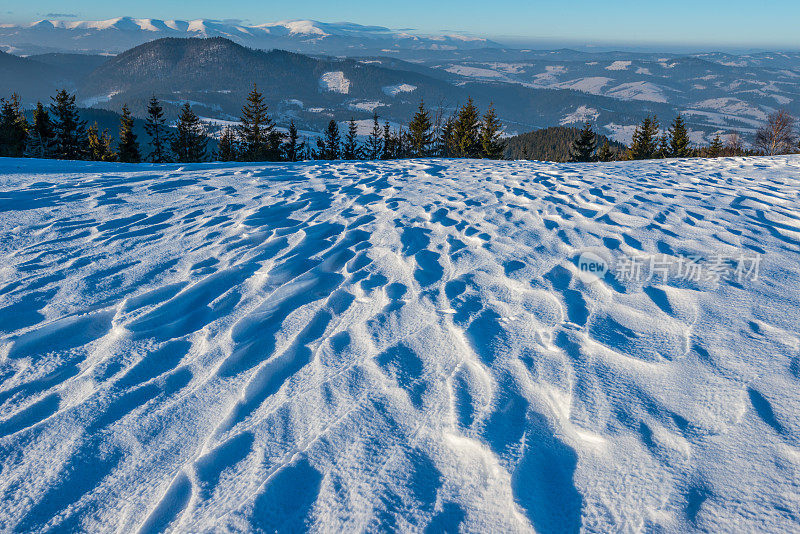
(120, 33)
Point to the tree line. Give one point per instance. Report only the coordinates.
(466, 134)
(776, 136)
(57, 131)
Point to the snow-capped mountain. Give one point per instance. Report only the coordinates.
(119, 34)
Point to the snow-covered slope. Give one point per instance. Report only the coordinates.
(400, 345)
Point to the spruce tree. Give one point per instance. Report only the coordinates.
(402, 143)
(716, 147)
(128, 145)
(388, 142)
(645, 140)
(275, 143)
(663, 147)
(292, 150)
(374, 142)
(350, 149)
(492, 145)
(41, 143)
(678, 139)
(256, 129)
(331, 141)
(227, 149)
(305, 152)
(69, 129)
(156, 127)
(319, 153)
(604, 153)
(420, 132)
(13, 127)
(583, 147)
(99, 144)
(189, 142)
(444, 142)
(466, 132)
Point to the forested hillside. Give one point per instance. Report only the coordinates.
(551, 144)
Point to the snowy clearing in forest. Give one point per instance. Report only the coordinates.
(334, 82)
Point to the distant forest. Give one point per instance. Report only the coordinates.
(552, 144)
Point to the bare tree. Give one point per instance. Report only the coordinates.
(777, 135)
(735, 145)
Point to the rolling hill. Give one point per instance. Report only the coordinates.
(716, 93)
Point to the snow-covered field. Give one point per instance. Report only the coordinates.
(403, 345)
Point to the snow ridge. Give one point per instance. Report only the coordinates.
(401, 345)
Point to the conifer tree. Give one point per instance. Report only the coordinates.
(604, 153)
(319, 153)
(331, 141)
(420, 132)
(128, 145)
(350, 149)
(645, 140)
(309, 153)
(156, 127)
(13, 127)
(99, 144)
(663, 146)
(374, 142)
(678, 139)
(716, 147)
(301, 154)
(293, 151)
(69, 129)
(466, 132)
(402, 143)
(189, 142)
(227, 149)
(492, 145)
(445, 147)
(583, 147)
(388, 142)
(276, 140)
(41, 142)
(255, 132)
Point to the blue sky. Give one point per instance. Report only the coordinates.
(725, 24)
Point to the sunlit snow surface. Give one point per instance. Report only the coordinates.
(400, 345)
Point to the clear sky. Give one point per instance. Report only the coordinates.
(722, 23)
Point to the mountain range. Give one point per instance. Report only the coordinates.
(119, 34)
(311, 72)
(214, 75)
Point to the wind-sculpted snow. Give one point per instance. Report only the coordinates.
(419, 345)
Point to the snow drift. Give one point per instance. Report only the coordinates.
(403, 345)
